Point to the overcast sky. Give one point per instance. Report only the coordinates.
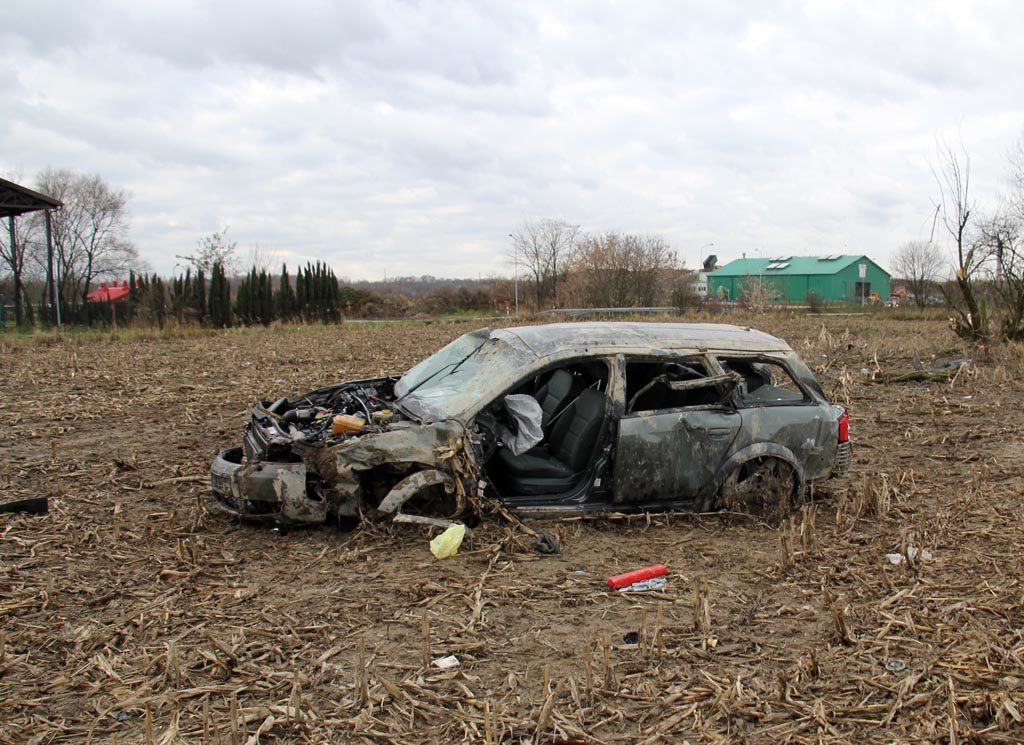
(408, 138)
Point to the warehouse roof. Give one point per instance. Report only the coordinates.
(789, 265)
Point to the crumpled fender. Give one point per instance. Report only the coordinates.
(412, 485)
(340, 465)
(296, 505)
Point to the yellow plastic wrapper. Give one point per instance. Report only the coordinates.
(447, 544)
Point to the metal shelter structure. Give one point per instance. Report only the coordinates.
(17, 200)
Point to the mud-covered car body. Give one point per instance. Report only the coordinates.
(629, 416)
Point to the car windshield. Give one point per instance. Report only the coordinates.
(448, 384)
(448, 356)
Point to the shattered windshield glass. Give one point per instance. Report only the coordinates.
(449, 387)
(448, 356)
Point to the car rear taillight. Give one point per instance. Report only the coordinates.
(844, 427)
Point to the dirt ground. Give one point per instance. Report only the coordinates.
(134, 612)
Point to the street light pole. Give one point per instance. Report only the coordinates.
(700, 252)
(515, 263)
(698, 273)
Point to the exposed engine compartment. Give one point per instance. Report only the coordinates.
(286, 429)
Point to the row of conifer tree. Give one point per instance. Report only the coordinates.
(314, 295)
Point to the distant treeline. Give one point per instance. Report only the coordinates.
(312, 295)
(556, 268)
(425, 284)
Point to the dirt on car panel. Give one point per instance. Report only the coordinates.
(658, 474)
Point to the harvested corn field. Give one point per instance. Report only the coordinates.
(889, 608)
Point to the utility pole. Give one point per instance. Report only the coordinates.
(51, 279)
(700, 253)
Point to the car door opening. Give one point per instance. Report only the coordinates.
(575, 408)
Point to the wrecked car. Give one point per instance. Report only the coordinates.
(551, 420)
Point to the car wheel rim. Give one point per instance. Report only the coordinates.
(765, 488)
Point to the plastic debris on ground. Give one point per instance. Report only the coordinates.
(447, 543)
(619, 581)
(895, 666)
(645, 585)
(446, 663)
(36, 506)
(547, 544)
(912, 553)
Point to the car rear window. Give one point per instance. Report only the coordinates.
(764, 382)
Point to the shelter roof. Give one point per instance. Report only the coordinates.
(16, 199)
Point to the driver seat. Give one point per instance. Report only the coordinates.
(558, 465)
(552, 396)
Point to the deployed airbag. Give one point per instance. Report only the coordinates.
(527, 415)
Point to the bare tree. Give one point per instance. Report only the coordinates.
(616, 270)
(213, 248)
(758, 294)
(545, 248)
(60, 184)
(13, 255)
(1016, 159)
(1001, 236)
(90, 232)
(15, 239)
(952, 173)
(918, 263)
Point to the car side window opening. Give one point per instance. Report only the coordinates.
(652, 385)
(764, 382)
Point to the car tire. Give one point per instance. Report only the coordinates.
(765, 487)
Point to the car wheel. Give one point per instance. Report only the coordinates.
(434, 501)
(766, 487)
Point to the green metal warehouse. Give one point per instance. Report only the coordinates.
(836, 278)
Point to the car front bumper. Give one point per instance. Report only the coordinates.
(272, 492)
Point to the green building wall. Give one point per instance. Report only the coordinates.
(838, 287)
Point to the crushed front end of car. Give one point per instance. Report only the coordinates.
(400, 447)
(338, 452)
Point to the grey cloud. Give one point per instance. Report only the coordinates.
(416, 135)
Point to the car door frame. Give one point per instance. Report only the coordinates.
(700, 434)
(593, 486)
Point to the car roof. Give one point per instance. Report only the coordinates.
(555, 339)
